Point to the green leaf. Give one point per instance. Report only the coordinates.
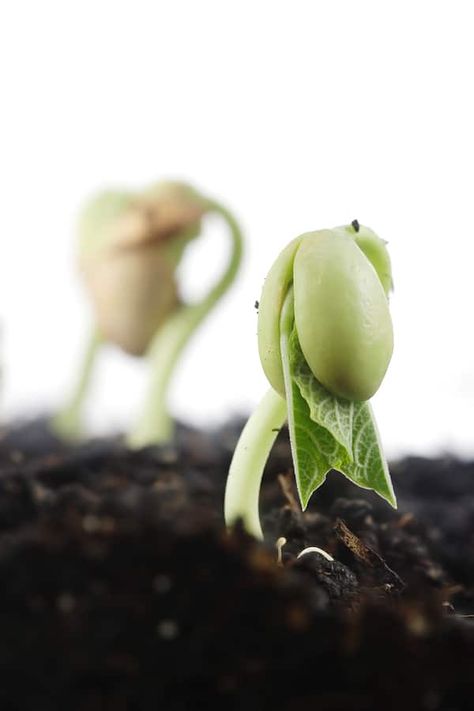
(330, 412)
(328, 432)
(315, 451)
(369, 468)
(310, 456)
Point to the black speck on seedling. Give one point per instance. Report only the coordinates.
(325, 341)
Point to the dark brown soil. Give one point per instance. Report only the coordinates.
(121, 591)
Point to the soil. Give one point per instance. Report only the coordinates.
(121, 591)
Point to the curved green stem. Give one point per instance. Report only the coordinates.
(67, 423)
(250, 456)
(155, 425)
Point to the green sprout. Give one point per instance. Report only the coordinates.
(130, 245)
(325, 341)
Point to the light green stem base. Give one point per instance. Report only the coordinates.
(250, 456)
(155, 425)
(67, 423)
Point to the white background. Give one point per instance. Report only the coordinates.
(298, 115)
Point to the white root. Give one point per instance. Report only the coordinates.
(279, 546)
(313, 549)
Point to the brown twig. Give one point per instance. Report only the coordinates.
(285, 483)
(367, 555)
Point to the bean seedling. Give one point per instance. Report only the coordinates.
(130, 245)
(325, 341)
